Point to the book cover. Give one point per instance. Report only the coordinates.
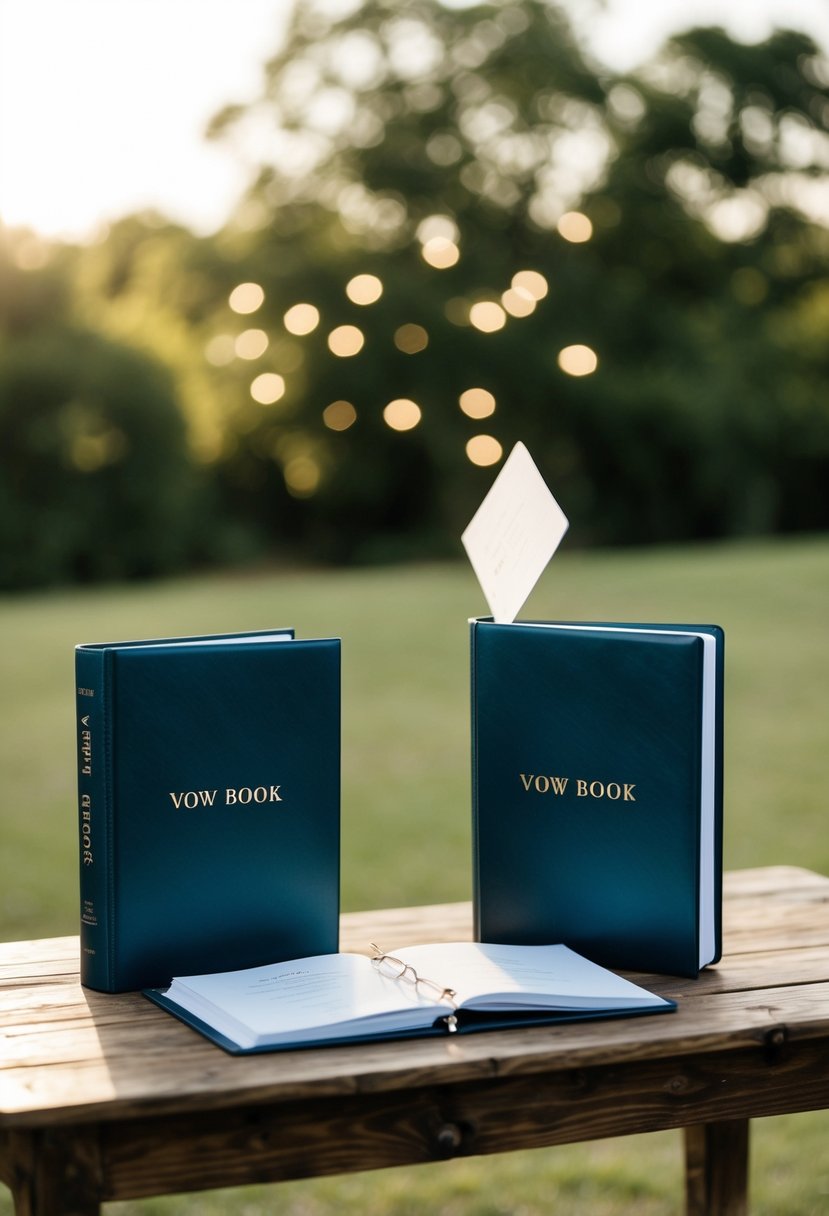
(597, 789)
(209, 804)
(348, 998)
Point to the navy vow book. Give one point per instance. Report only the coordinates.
(209, 804)
(597, 790)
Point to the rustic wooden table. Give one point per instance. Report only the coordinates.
(108, 1097)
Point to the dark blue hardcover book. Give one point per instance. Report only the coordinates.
(597, 790)
(209, 804)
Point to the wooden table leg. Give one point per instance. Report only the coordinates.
(53, 1173)
(716, 1168)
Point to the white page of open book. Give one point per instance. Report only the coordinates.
(284, 998)
(490, 976)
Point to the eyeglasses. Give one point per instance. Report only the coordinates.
(395, 969)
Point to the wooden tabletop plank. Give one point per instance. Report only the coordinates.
(143, 1066)
(69, 1055)
(768, 882)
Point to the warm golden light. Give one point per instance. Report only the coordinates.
(339, 415)
(487, 316)
(402, 414)
(574, 226)
(483, 450)
(220, 350)
(437, 226)
(578, 360)
(345, 341)
(531, 281)
(518, 302)
(411, 339)
(440, 252)
(301, 319)
(364, 289)
(302, 476)
(251, 344)
(247, 297)
(267, 388)
(477, 403)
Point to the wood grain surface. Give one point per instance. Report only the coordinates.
(122, 1100)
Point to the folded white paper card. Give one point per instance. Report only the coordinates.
(513, 535)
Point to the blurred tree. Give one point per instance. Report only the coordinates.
(647, 360)
(95, 479)
(463, 232)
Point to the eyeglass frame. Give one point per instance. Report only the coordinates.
(408, 973)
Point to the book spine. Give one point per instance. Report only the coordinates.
(94, 819)
(473, 718)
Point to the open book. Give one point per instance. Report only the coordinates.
(421, 990)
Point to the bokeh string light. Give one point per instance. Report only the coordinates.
(487, 316)
(246, 298)
(267, 388)
(439, 245)
(575, 227)
(251, 344)
(477, 403)
(532, 282)
(339, 415)
(346, 341)
(301, 319)
(484, 450)
(440, 253)
(411, 338)
(402, 414)
(518, 302)
(578, 360)
(440, 241)
(364, 289)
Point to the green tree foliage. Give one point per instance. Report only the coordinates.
(665, 359)
(706, 414)
(95, 479)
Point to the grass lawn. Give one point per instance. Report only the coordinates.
(406, 798)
